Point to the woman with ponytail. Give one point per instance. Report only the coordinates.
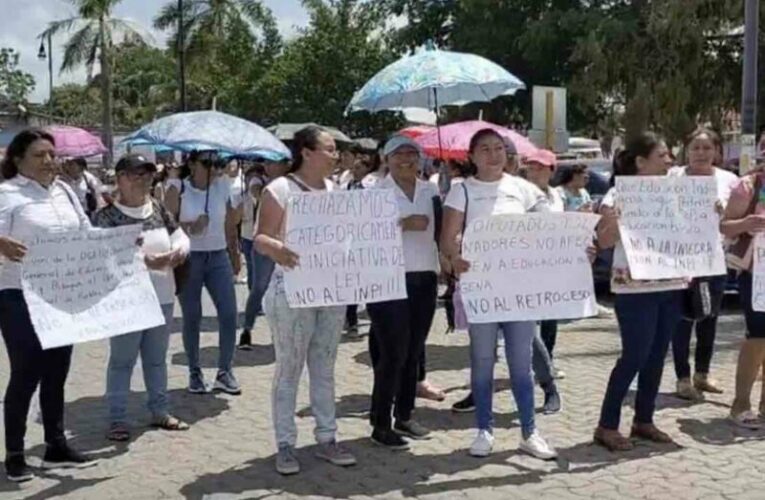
(648, 312)
(300, 335)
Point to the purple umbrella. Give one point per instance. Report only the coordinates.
(75, 142)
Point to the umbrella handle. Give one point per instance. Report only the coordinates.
(443, 174)
(207, 192)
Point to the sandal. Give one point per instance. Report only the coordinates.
(651, 433)
(612, 440)
(746, 420)
(170, 423)
(427, 391)
(118, 431)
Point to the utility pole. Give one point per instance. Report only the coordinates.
(49, 56)
(181, 56)
(749, 91)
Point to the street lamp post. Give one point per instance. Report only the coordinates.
(749, 91)
(41, 54)
(181, 56)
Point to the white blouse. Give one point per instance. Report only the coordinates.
(27, 209)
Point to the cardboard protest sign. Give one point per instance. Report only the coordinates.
(528, 267)
(350, 248)
(88, 284)
(669, 226)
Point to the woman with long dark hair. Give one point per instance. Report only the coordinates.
(32, 203)
(301, 335)
(648, 311)
(493, 192)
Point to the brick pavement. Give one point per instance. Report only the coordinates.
(228, 453)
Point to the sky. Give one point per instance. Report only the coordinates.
(23, 20)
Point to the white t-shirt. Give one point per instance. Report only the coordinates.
(555, 200)
(248, 203)
(420, 250)
(509, 195)
(213, 238)
(280, 189)
(725, 181)
(83, 185)
(621, 279)
(370, 180)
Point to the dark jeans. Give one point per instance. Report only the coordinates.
(399, 330)
(261, 269)
(352, 315)
(30, 366)
(548, 330)
(646, 324)
(706, 330)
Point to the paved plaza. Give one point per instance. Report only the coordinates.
(228, 453)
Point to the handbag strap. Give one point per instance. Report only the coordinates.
(298, 183)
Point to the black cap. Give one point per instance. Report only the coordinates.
(134, 162)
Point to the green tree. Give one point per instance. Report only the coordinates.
(228, 45)
(77, 104)
(15, 84)
(93, 33)
(318, 72)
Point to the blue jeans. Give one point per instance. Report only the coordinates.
(647, 322)
(213, 271)
(262, 269)
(483, 344)
(123, 353)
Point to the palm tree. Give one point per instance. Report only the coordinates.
(93, 33)
(206, 22)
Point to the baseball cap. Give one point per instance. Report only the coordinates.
(134, 162)
(399, 141)
(541, 156)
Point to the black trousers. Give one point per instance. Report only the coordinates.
(30, 366)
(706, 331)
(548, 330)
(399, 331)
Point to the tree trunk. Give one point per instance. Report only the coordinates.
(106, 91)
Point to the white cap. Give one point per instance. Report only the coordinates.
(399, 141)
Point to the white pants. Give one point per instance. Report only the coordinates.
(302, 336)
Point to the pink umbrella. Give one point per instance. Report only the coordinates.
(416, 131)
(455, 140)
(75, 142)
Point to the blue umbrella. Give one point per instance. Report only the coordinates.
(211, 131)
(433, 78)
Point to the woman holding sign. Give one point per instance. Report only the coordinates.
(492, 192)
(702, 148)
(648, 312)
(206, 215)
(165, 247)
(32, 203)
(301, 335)
(400, 327)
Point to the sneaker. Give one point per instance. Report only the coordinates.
(411, 429)
(552, 401)
(389, 439)
(558, 374)
(685, 390)
(536, 446)
(352, 331)
(605, 312)
(286, 462)
(57, 457)
(466, 405)
(226, 382)
(16, 469)
(335, 454)
(245, 341)
(197, 384)
(482, 444)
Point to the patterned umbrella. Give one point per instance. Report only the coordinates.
(211, 131)
(75, 142)
(433, 78)
(455, 140)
